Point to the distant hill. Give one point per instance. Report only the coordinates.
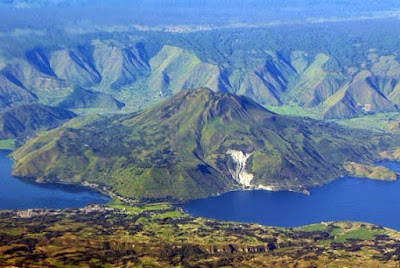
(83, 99)
(196, 144)
(26, 120)
(323, 70)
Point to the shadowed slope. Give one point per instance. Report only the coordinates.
(191, 146)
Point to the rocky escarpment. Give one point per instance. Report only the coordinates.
(240, 173)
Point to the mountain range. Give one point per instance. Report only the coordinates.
(192, 142)
(159, 102)
(136, 70)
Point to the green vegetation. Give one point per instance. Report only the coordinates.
(315, 227)
(316, 73)
(26, 120)
(7, 144)
(343, 232)
(393, 155)
(115, 203)
(114, 237)
(294, 111)
(81, 99)
(362, 233)
(179, 149)
(371, 172)
(383, 122)
(175, 69)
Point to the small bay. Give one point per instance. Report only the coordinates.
(21, 194)
(346, 199)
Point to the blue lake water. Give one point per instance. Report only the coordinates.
(18, 194)
(347, 199)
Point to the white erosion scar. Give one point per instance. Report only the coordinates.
(240, 174)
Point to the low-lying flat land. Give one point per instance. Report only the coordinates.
(161, 235)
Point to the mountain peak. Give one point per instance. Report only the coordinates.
(207, 105)
(196, 144)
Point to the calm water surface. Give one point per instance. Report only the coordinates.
(345, 199)
(18, 194)
(349, 198)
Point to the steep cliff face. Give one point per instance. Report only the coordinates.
(240, 173)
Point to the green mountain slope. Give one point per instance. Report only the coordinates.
(174, 69)
(36, 79)
(117, 64)
(27, 119)
(195, 144)
(358, 97)
(74, 67)
(13, 93)
(317, 71)
(82, 98)
(315, 84)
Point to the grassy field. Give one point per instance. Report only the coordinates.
(383, 122)
(7, 145)
(295, 110)
(161, 235)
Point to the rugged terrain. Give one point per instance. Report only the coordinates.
(160, 235)
(25, 120)
(196, 144)
(332, 74)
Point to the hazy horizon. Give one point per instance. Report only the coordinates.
(45, 14)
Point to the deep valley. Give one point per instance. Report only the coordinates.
(240, 133)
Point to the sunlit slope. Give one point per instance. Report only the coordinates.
(195, 144)
(133, 71)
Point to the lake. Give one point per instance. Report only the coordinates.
(347, 199)
(19, 194)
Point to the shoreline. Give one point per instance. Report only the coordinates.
(109, 193)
